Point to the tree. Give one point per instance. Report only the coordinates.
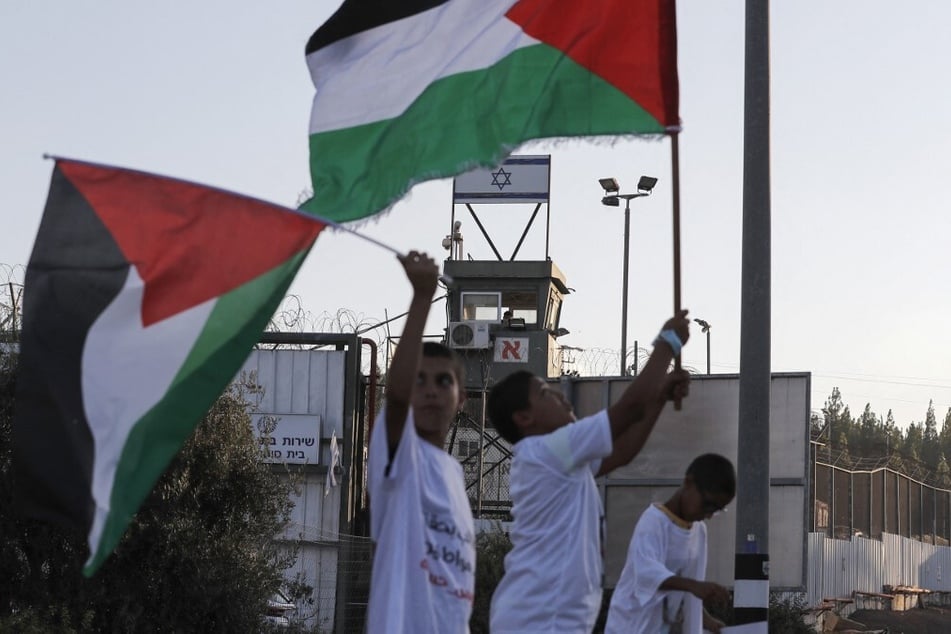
(912, 444)
(944, 436)
(837, 420)
(199, 555)
(893, 442)
(870, 435)
(943, 473)
(930, 448)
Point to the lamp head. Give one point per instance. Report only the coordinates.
(704, 325)
(646, 184)
(609, 185)
(611, 201)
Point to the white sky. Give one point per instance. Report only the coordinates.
(218, 92)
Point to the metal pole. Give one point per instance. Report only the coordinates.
(753, 449)
(752, 500)
(708, 351)
(481, 454)
(627, 238)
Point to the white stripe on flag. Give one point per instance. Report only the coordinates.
(127, 369)
(377, 74)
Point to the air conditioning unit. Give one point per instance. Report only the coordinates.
(469, 335)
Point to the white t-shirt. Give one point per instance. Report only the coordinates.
(552, 580)
(660, 549)
(423, 577)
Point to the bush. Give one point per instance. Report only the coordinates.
(199, 556)
(491, 548)
(785, 616)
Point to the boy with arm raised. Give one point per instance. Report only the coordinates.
(552, 580)
(423, 575)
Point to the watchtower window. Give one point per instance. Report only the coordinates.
(482, 306)
(522, 305)
(553, 312)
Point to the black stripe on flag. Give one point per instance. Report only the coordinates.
(75, 271)
(356, 16)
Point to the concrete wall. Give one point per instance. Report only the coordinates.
(708, 422)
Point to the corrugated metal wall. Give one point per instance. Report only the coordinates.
(310, 382)
(837, 567)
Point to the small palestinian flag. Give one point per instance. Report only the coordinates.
(144, 295)
(419, 89)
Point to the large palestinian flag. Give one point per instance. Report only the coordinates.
(143, 297)
(419, 89)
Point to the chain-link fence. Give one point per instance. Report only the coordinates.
(486, 460)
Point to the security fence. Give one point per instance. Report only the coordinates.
(873, 502)
(486, 460)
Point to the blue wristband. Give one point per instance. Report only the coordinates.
(671, 339)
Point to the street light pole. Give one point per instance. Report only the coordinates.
(705, 328)
(613, 198)
(624, 287)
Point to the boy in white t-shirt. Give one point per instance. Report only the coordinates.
(552, 580)
(662, 587)
(423, 576)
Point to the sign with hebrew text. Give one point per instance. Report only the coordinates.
(288, 438)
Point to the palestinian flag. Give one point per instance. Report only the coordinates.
(419, 89)
(144, 295)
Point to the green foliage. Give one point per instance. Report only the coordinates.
(199, 556)
(786, 616)
(491, 548)
(870, 441)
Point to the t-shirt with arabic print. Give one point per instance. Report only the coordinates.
(423, 576)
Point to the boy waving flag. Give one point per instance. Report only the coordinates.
(143, 297)
(420, 89)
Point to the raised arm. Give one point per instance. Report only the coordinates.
(422, 273)
(632, 418)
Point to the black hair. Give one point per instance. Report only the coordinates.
(712, 473)
(441, 351)
(507, 397)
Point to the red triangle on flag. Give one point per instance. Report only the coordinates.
(190, 243)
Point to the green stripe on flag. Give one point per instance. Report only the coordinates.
(233, 327)
(462, 121)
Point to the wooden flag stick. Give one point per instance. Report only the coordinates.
(675, 181)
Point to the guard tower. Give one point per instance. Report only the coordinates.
(504, 314)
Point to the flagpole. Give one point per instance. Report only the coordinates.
(675, 181)
(445, 279)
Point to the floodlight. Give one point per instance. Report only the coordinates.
(646, 184)
(609, 185)
(611, 201)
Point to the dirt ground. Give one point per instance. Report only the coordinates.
(917, 621)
